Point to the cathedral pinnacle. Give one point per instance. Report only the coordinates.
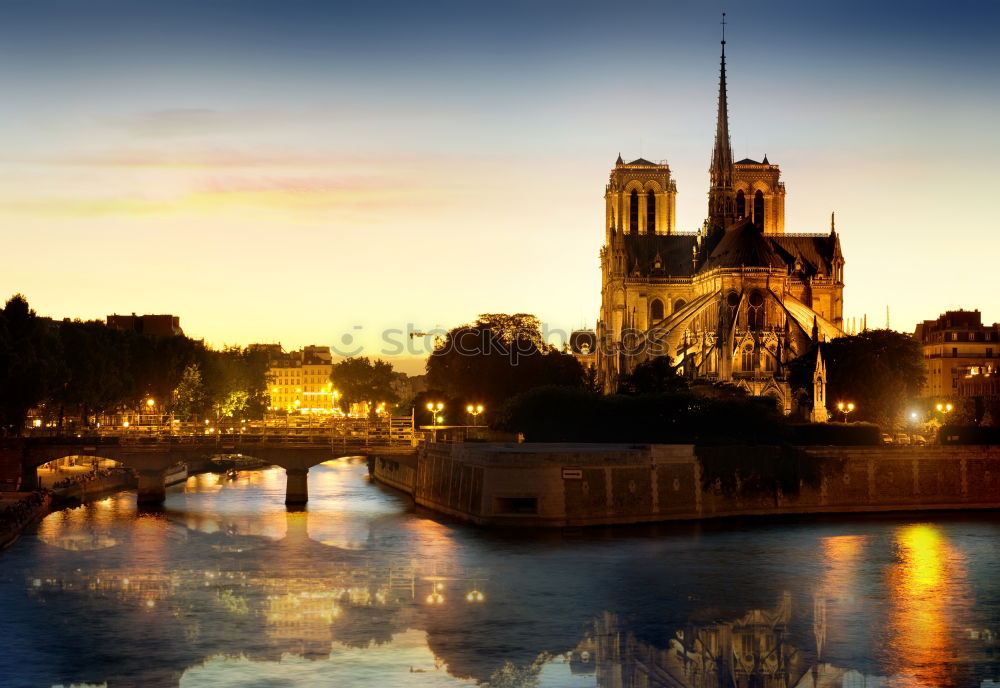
(721, 204)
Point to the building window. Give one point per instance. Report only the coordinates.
(989, 352)
(679, 305)
(651, 212)
(954, 352)
(758, 209)
(748, 359)
(656, 310)
(633, 212)
(741, 204)
(768, 362)
(954, 336)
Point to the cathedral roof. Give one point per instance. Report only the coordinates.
(642, 161)
(674, 252)
(744, 246)
(751, 161)
(815, 253)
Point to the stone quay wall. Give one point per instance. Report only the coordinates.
(580, 484)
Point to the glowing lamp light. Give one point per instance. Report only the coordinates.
(150, 403)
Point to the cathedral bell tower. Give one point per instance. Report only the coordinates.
(721, 194)
(640, 198)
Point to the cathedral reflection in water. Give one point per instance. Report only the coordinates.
(224, 587)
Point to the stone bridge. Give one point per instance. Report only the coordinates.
(150, 457)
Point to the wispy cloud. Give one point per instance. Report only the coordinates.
(193, 121)
(292, 195)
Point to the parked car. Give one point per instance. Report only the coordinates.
(902, 438)
(886, 438)
(919, 439)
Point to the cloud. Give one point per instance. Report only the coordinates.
(222, 194)
(179, 122)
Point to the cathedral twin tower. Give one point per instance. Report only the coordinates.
(733, 302)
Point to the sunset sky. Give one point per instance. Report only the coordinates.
(300, 171)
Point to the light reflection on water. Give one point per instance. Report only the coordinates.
(225, 587)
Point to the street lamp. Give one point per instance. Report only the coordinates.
(435, 409)
(845, 408)
(474, 411)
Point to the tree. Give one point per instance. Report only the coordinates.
(496, 358)
(28, 362)
(655, 376)
(361, 379)
(880, 371)
(189, 396)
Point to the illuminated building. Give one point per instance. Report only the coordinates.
(299, 381)
(732, 302)
(958, 347)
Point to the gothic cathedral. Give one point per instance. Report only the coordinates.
(733, 302)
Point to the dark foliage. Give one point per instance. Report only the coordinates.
(841, 434)
(497, 358)
(655, 376)
(959, 434)
(557, 414)
(560, 414)
(363, 380)
(74, 369)
(879, 370)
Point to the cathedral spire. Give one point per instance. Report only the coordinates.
(721, 206)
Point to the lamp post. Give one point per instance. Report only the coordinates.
(435, 409)
(474, 411)
(845, 408)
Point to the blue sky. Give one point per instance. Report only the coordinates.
(293, 171)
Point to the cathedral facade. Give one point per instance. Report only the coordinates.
(733, 302)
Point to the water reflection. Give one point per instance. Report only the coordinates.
(224, 587)
(928, 591)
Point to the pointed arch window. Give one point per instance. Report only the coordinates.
(732, 302)
(679, 305)
(741, 204)
(656, 310)
(633, 212)
(758, 209)
(650, 212)
(748, 358)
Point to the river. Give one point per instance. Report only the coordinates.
(225, 587)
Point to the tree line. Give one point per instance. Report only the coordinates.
(70, 372)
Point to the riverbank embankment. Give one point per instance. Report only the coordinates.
(18, 510)
(593, 484)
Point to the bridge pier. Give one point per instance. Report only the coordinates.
(297, 486)
(151, 488)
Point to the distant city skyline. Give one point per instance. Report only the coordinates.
(302, 171)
